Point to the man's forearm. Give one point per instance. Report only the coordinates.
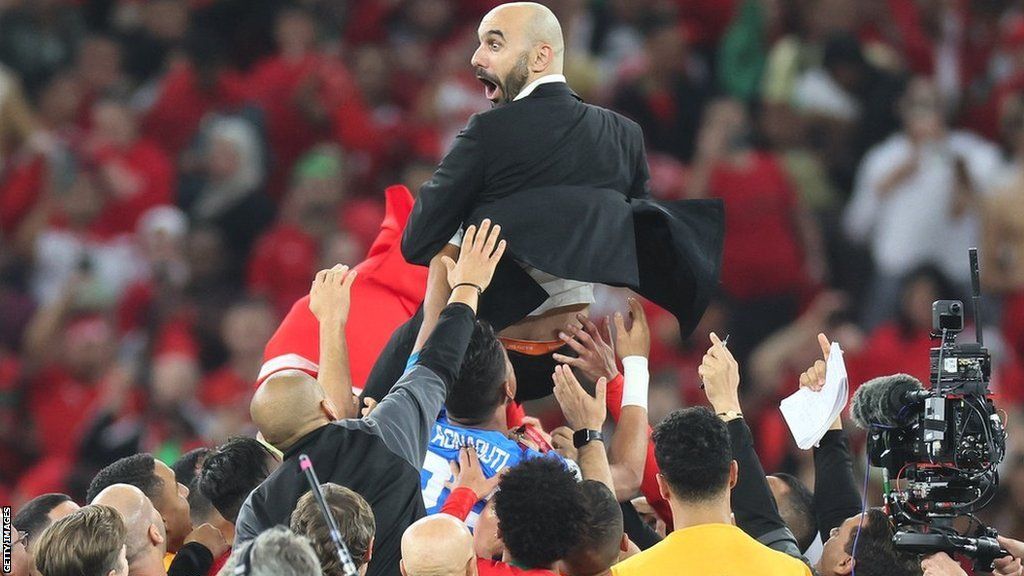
(438, 293)
(836, 496)
(333, 374)
(593, 461)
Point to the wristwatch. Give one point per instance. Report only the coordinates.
(581, 438)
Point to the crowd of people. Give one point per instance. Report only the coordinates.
(174, 174)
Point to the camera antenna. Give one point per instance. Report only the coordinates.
(976, 294)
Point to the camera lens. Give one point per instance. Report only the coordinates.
(954, 308)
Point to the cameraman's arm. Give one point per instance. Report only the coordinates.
(836, 496)
(752, 501)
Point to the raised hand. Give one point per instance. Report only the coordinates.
(211, 538)
(478, 257)
(940, 564)
(595, 358)
(582, 411)
(721, 375)
(469, 474)
(330, 295)
(637, 340)
(814, 377)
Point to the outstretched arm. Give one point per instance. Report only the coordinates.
(585, 412)
(443, 202)
(329, 299)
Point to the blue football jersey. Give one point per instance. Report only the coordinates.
(495, 451)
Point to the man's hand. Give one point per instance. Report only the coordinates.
(469, 474)
(582, 411)
(814, 377)
(721, 376)
(478, 257)
(368, 405)
(330, 295)
(596, 358)
(1009, 565)
(561, 441)
(211, 538)
(941, 564)
(637, 340)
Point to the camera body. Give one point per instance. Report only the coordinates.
(940, 458)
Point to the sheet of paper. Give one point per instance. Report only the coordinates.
(809, 414)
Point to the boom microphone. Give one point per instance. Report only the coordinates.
(348, 567)
(885, 401)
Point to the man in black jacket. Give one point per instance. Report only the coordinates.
(378, 456)
(568, 182)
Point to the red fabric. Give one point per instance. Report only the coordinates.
(460, 503)
(49, 475)
(19, 192)
(889, 351)
(153, 172)
(282, 265)
(219, 563)
(225, 387)
(59, 405)
(762, 254)
(183, 101)
(386, 293)
(487, 567)
(649, 484)
(1013, 322)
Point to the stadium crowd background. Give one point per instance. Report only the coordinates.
(173, 173)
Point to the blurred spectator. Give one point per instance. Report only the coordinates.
(667, 97)
(917, 198)
(37, 38)
(773, 250)
(99, 69)
(159, 31)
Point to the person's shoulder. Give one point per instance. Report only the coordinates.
(770, 561)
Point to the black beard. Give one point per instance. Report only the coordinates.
(515, 80)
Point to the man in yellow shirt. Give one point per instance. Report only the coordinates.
(697, 474)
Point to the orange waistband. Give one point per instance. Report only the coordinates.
(530, 347)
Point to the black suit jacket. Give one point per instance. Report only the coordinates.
(568, 182)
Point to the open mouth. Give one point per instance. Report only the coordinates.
(490, 87)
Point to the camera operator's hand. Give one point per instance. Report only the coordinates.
(721, 376)
(941, 564)
(814, 377)
(595, 357)
(1010, 565)
(478, 257)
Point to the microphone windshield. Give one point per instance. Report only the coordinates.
(881, 401)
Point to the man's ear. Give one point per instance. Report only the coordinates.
(846, 566)
(624, 543)
(401, 568)
(663, 488)
(154, 535)
(329, 409)
(734, 474)
(510, 389)
(369, 552)
(542, 58)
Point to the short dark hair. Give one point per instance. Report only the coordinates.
(138, 470)
(478, 390)
(187, 467)
(86, 542)
(797, 510)
(355, 521)
(601, 537)
(34, 516)
(876, 555)
(540, 512)
(200, 509)
(230, 472)
(693, 451)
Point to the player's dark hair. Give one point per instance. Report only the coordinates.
(479, 388)
(693, 451)
(540, 512)
(230, 472)
(601, 537)
(34, 517)
(186, 467)
(138, 470)
(876, 555)
(797, 509)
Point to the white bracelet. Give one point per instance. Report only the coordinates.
(636, 380)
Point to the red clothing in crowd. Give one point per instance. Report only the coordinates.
(19, 191)
(889, 350)
(60, 405)
(225, 387)
(149, 177)
(487, 567)
(282, 264)
(762, 255)
(183, 101)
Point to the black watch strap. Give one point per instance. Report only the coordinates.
(583, 437)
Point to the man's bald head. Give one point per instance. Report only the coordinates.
(519, 42)
(288, 405)
(438, 545)
(145, 526)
